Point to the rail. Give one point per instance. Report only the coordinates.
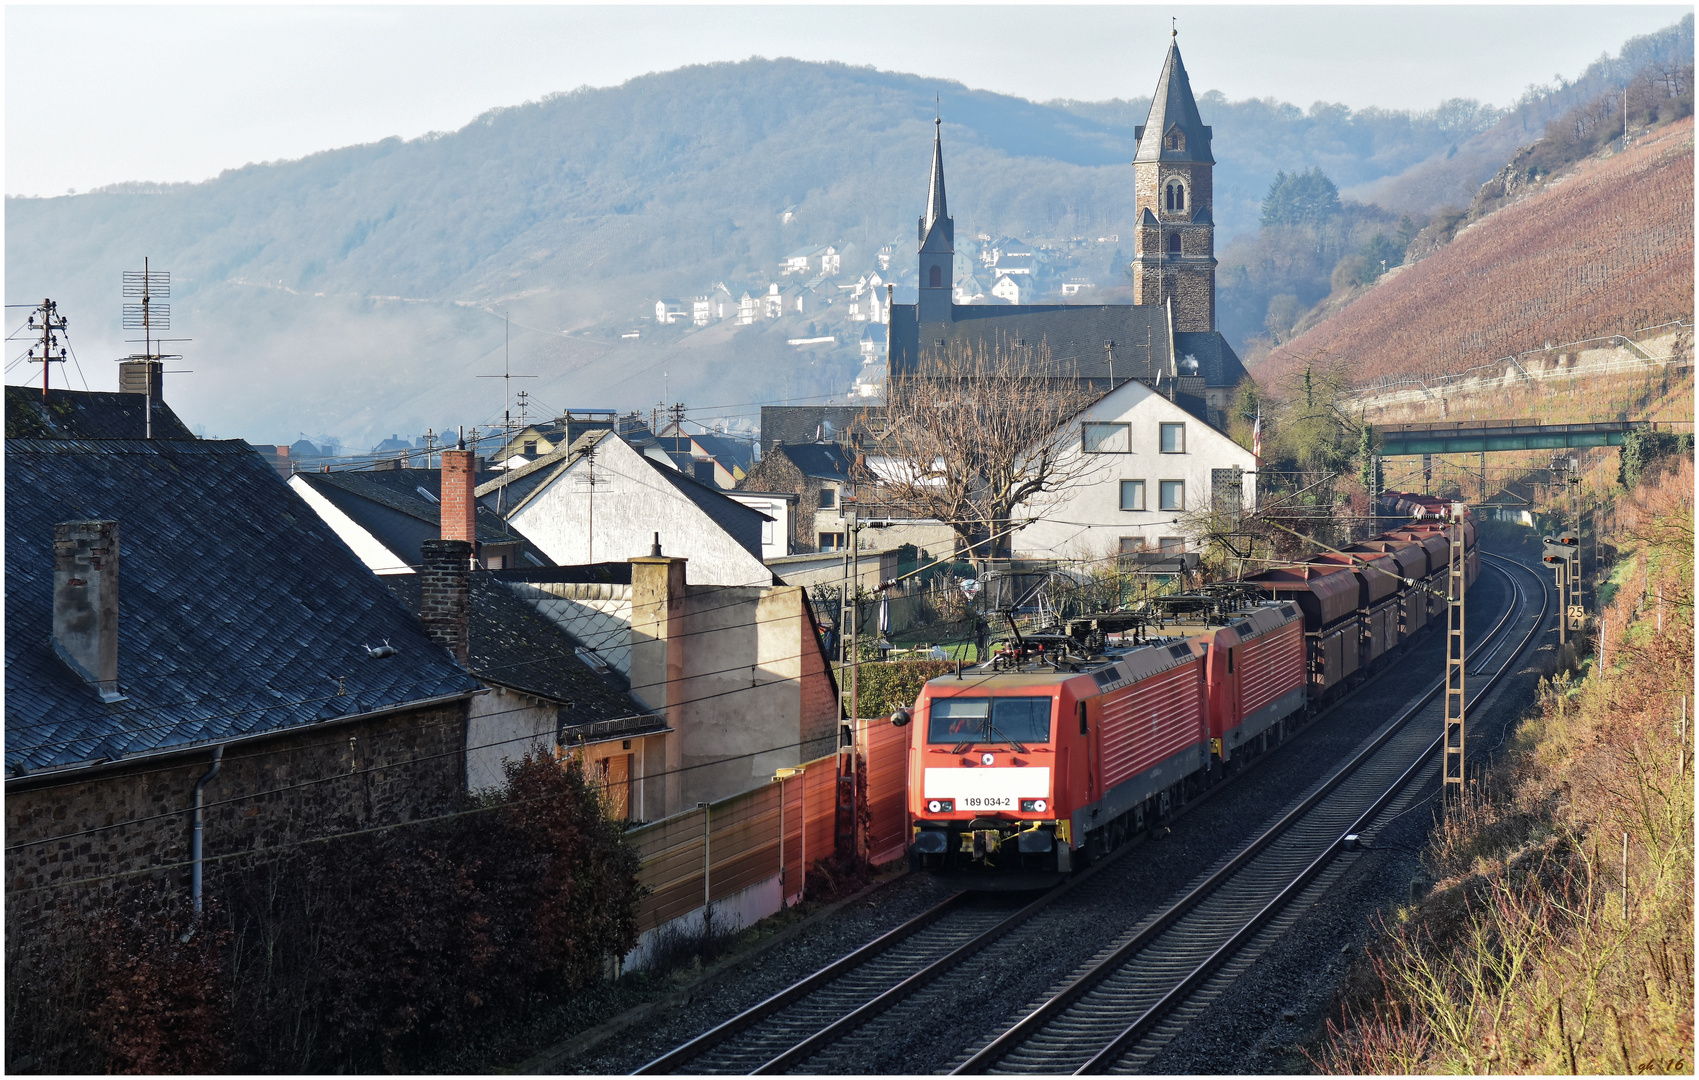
(1208, 953)
(803, 1019)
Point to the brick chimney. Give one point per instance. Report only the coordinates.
(85, 602)
(459, 508)
(444, 592)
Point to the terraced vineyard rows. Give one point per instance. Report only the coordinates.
(1605, 250)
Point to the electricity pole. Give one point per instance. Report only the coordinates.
(48, 351)
(1455, 668)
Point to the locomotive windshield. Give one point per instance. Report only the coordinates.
(1013, 720)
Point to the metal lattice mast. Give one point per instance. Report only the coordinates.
(1454, 662)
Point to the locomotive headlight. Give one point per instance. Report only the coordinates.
(1034, 806)
(941, 806)
(986, 759)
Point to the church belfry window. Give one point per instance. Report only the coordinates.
(936, 278)
(1174, 198)
(1174, 140)
(1174, 245)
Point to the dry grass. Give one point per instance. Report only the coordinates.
(1541, 949)
(1605, 250)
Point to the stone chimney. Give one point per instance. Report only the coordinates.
(85, 602)
(445, 593)
(459, 505)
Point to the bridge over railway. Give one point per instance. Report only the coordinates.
(1486, 436)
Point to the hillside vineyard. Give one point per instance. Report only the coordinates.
(1606, 250)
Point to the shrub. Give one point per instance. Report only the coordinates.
(887, 687)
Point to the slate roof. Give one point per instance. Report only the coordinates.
(729, 452)
(512, 644)
(389, 504)
(240, 611)
(1075, 335)
(790, 424)
(85, 414)
(1171, 105)
(821, 461)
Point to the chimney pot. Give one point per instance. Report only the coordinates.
(85, 602)
(459, 504)
(655, 549)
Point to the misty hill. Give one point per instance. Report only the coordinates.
(357, 291)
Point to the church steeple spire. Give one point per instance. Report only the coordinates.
(1173, 131)
(937, 240)
(936, 207)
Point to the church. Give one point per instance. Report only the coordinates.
(1166, 339)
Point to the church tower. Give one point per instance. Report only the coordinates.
(1174, 240)
(937, 243)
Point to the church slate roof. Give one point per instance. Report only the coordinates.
(240, 612)
(1173, 105)
(84, 414)
(1075, 334)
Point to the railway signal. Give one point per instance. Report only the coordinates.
(1563, 553)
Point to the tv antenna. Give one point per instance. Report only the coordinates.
(507, 378)
(145, 285)
(48, 350)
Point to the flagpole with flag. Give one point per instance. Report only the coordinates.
(1256, 436)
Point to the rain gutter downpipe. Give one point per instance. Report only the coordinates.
(200, 828)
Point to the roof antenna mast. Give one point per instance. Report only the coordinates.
(507, 378)
(146, 285)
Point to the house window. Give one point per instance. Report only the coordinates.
(1174, 245)
(1132, 494)
(1173, 495)
(831, 541)
(1171, 545)
(1173, 438)
(936, 277)
(1131, 546)
(1106, 438)
(766, 533)
(530, 446)
(828, 498)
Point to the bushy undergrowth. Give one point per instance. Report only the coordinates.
(886, 687)
(371, 952)
(1542, 948)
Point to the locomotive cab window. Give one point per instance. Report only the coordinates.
(955, 721)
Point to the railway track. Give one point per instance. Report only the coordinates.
(1102, 1019)
(800, 1021)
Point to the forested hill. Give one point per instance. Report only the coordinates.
(352, 291)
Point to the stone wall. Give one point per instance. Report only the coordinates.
(302, 784)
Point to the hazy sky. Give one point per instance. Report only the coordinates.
(96, 95)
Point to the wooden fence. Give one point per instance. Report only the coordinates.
(703, 858)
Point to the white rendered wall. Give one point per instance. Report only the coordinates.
(1085, 519)
(608, 505)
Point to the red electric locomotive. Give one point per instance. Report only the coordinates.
(1026, 770)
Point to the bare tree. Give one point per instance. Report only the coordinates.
(974, 432)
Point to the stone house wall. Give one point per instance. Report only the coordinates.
(297, 785)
